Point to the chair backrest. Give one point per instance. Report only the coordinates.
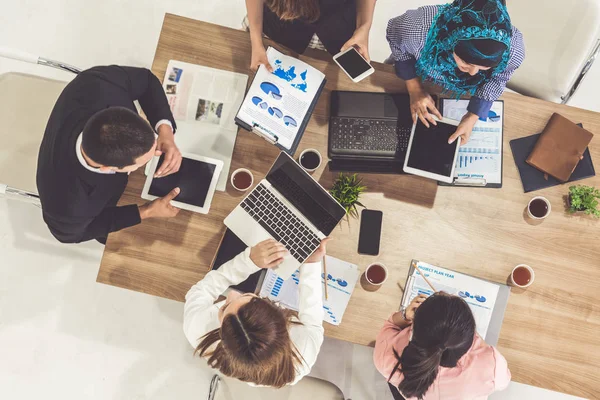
(25, 105)
(559, 36)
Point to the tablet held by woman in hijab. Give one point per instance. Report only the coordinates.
(467, 47)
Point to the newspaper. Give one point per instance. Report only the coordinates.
(204, 102)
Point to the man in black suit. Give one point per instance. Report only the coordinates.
(93, 140)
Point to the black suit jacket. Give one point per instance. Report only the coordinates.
(79, 204)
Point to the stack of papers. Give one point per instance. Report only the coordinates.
(342, 278)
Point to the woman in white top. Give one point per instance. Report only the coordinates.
(251, 338)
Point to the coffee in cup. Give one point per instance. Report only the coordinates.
(242, 179)
(310, 159)
(376, 274)
(522, 276)
(538, 208)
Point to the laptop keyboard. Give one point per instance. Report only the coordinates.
(281, 223)
(367, 136)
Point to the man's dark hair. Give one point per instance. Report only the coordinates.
(116, 137)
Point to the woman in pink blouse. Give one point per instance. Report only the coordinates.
(431, 351)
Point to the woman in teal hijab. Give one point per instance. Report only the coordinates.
(467, 47)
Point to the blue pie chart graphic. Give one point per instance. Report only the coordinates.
(270, 88)
(256, 100)
(276, 112)
(289, 121)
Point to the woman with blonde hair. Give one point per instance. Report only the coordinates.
(251, 338)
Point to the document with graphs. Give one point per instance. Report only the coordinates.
(279, 104)
(341, 279)
(479, 161)
(487, 300)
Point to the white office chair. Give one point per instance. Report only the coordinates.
(25, 105)
(562, 40)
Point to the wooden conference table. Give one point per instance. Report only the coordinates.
(550, 332)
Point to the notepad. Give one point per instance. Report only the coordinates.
(341, 279)
(487, 300)
(279, 104)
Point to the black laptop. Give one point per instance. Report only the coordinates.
(369, 132)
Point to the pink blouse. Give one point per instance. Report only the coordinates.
(480, 372)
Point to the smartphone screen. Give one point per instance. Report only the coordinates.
(370, 232)
(353, 63)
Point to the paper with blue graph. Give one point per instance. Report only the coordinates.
(341, 279)
(479, 294)
(278, 102)
(481, 157)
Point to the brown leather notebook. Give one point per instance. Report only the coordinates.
(559, 148)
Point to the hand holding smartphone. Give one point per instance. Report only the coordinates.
(353, 64)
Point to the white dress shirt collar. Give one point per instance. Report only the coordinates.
(82, 160)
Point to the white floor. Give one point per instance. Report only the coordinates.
(62, 335)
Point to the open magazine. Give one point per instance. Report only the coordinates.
(278, 104)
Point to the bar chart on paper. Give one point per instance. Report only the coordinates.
(481, 157)
(341, 279)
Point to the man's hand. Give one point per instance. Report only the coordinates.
(464, 129)
(166, 144)
(319, 253)
(360, 41)
(421, 103)
(259, 56)
(268, 254)
(160, 208)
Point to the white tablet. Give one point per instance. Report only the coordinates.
(429, 154)
(197, 178)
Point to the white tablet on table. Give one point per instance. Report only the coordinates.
(197, 179)
(429, 154)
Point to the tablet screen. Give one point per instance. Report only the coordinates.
(193, 178)
(430, 150)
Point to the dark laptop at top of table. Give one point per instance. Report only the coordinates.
(369, 132)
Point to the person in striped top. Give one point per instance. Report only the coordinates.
(467, 47)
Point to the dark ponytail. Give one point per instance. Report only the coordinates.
(443, 331)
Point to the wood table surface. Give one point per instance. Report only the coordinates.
(550, 335)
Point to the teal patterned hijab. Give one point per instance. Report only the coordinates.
(481, 29)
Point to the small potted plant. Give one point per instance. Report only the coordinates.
(584, 198)
(346, 190)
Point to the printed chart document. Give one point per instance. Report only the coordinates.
(479, 162)
(204, 102)
(279, 104)
(479, 294)
(341, 279)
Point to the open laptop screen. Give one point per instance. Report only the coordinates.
(305, 194)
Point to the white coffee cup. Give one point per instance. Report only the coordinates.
(238, 171)
(539, 198)
(311, 151)
(384, 279)
(512, 280)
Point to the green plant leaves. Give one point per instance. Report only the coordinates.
(584, 198)
(346, 190)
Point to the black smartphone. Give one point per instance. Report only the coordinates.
(370, 232)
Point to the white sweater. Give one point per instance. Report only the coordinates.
(201, 315)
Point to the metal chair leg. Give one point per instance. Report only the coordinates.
(584, 71)
(214, 386)
(20, 195)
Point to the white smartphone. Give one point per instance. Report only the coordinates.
(353, 64)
